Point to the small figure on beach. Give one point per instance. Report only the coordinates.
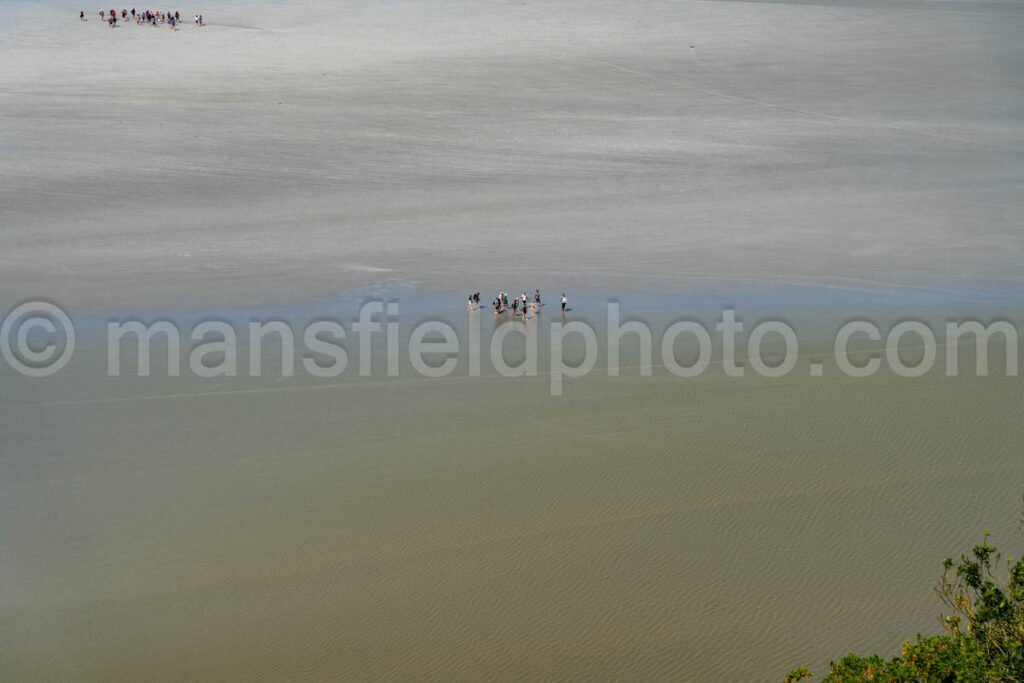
(81, 15)
(536, 298)
(564, 302)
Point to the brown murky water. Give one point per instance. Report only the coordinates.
(477, 529)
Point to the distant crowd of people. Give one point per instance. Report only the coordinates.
(519, 305)
(171, 19)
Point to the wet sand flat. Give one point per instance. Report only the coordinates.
(279, 153)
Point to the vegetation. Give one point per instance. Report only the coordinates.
(983, 639)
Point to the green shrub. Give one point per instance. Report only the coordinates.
(984, 630)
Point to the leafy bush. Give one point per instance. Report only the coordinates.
(984, 630)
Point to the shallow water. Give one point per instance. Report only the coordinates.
(470, 528)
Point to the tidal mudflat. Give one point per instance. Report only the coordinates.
(804, 162)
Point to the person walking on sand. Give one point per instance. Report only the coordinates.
(524, 304)
(536, 297)
(564, 302)
(81, 15)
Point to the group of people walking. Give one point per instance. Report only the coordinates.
(171, 19)
(518, 305)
